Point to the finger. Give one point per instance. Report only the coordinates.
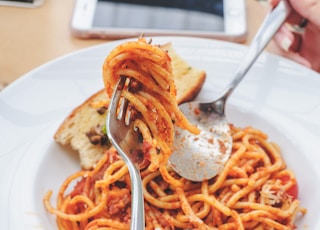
(302, 9)
(297, 42)
(295, 19)
(273, 3)
(287, 39)
(284, 38)
(308, 9)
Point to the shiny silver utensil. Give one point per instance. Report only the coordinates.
(200, 157)
(125, 139)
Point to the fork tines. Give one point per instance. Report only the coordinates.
(122, 110)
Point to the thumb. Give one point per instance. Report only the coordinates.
(306, 9)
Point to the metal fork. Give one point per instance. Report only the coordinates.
(123, 137)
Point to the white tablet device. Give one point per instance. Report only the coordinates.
(114, 19)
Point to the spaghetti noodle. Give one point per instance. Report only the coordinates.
(254, 190)
(151, 94)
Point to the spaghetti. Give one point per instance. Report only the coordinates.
(151, 95)
(254, 190)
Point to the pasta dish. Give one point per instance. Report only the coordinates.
(254, 190)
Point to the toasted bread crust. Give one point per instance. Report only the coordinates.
(72, 131)
(74, 128)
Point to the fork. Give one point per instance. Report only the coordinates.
(119, 132)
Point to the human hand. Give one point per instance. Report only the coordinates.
(303, 47)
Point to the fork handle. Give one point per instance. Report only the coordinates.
(269, 27)
(137, 218)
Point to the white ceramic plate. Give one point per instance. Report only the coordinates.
(277, 96)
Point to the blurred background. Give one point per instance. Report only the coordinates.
(30, 37)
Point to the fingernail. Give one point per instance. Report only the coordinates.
(285, 44)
